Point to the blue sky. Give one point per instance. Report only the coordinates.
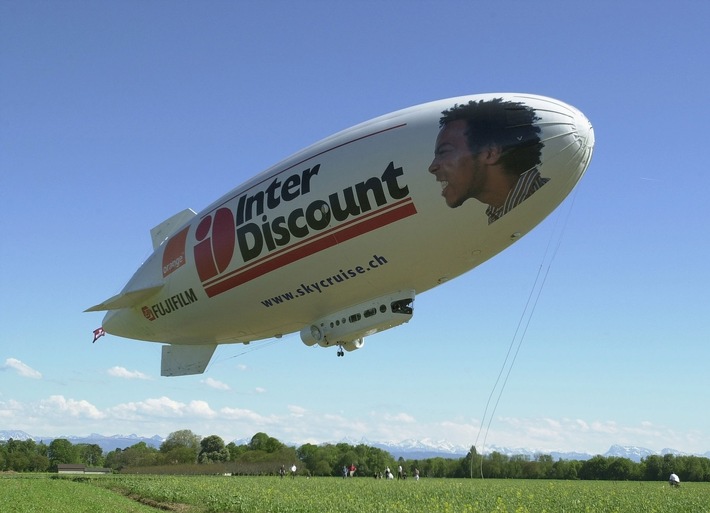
(116, 115)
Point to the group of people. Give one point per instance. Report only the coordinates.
(282, 471)
(349, 471)
(401, 474)
(673, 480)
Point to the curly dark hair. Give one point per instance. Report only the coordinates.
(508, 124)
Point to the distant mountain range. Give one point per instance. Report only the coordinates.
(407, 449)
(107, 443)
(427, 448)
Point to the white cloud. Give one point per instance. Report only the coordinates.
(296, 424)
(608, 427)
(296, 411)
(200, 409)
(163, 407)
(11, 409)
(241, 414)
(260, 390)
(582, 424)
(217, 385)
(22, 369)
(592, 436)
(456, 431)
(122, 372)
(59, 405)
(158, 407)
(399, 418)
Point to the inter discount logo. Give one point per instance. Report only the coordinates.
(245, 228)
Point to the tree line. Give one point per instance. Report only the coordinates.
(185, 452)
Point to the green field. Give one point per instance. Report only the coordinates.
(211, 494)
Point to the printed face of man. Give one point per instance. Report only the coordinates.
(462, 175)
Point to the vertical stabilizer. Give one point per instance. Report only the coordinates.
(170, 226)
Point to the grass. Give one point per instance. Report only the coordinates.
(218, 494)
(30, 493)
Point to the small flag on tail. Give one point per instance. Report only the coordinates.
(99, 332)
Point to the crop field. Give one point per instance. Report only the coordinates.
(22, 493)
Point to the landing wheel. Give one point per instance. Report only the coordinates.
(341, 352)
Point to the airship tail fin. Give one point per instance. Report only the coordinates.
(170, 226)
(184, 360)
(125, 299)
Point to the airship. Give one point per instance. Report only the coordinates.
(336, 241)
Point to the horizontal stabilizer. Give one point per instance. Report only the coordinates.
(125, 299)
(170, 226)
(184, 360)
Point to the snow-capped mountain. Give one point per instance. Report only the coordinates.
(638, 453)
(426, 448)
(15, 435)
(629, 451)
(407, 449)
(418, 449)
(107, 443)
